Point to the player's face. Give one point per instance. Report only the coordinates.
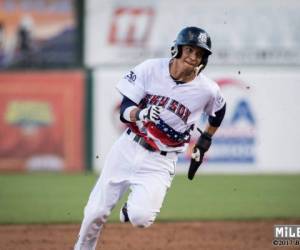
(191, 56)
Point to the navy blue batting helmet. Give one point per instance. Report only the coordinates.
(192, 36)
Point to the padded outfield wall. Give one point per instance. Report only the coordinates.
(42, 120)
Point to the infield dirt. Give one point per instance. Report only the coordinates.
(208, 235)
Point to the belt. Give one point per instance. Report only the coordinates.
(141, 141)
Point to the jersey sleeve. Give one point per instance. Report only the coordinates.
(216, 103)
(132, 85)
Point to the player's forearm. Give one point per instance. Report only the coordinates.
(211, 130)
(128, 110)
(133, 114)
(130, 113)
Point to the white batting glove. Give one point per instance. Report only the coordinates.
(196, 154)
(151, 113)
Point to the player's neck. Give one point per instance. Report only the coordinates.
(180, 73)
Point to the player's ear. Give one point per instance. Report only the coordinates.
(174, 50)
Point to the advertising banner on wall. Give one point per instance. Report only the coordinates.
(38, 34)
(261, 107)
(41, 125)
(244, 32)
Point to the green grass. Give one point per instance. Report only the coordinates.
(234, 197)
(60, 198)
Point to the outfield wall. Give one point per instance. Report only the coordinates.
(259, 133)
(42, 122)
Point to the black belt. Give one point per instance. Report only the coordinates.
(140, 140)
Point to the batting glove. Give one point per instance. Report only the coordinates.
(151, 113)
(201, 147)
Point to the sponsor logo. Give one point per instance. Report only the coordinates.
(23, 113)
(29, 116)
(131, 26)
(236, 139)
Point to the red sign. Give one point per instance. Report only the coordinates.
(41, 125)
(131, 26)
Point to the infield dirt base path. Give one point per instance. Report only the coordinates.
(211, 235)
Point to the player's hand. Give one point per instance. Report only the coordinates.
(201, 147)
(151, 113)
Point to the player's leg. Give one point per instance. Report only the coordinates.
(148, 190)
(109, 188)
(97, 211)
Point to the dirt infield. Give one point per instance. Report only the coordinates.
(161, 236)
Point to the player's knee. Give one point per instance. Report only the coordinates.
(98, 216)
(103, 216)
(140, 218)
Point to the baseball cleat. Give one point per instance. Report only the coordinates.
(123, 214)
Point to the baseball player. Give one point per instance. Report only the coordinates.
(162, 100)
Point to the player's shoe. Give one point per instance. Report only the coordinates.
(123, 214)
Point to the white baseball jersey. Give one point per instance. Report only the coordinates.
(150, 83)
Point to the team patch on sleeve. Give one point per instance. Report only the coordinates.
(131, 76)
(219, 102)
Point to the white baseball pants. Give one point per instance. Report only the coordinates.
(128, 165)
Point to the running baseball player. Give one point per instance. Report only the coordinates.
(162, 100)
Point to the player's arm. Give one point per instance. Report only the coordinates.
(204, 141)
(214, 122)
(130, 112)
(128, 108)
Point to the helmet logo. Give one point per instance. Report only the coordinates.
(202, 38)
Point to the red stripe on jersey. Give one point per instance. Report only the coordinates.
(156, 133)
(162, 136)
(136, 130)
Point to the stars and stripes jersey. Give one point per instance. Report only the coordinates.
(150, 83)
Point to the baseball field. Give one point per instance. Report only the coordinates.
(44, 210)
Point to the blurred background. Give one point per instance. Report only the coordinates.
(60, 61)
